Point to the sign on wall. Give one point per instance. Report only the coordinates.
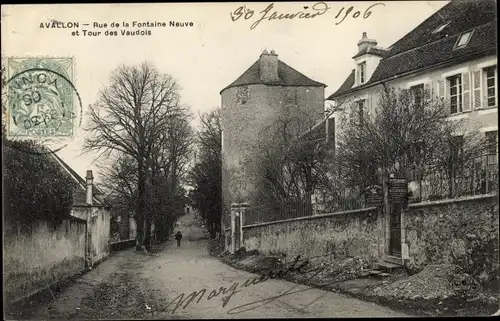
(374, 196)
(398, 190)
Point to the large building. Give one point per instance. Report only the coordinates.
(256, 100)
(452, 54)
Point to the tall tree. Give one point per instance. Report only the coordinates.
(129, 116)
(206, 174)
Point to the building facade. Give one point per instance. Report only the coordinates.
(266, 93)
(88, 206)
(452, 55)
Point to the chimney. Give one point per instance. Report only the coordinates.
(269, 67)
(366, 43)
(90, 181)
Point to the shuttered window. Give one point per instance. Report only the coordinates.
(490, 86)
(418, 95)
(492, 146)
(455, 93)
(362, 72)
(361, 110)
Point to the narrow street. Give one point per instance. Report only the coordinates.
(134, 285)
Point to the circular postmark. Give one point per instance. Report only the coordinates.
(43, 105)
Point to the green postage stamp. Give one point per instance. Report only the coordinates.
(42, 99)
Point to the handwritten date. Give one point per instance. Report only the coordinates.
(318, 9)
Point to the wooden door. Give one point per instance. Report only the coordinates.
(395, 230)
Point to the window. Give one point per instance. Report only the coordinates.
(463, 40)
(362, 72)
(242, 95)
(418, 94)
(492, 146)
(440, 28)
(361, 110)
(455, 85)
(490, 85)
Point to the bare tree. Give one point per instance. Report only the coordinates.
(120, 180)
(205, 175)
(295, 151)
(129, 116)
(409, 134)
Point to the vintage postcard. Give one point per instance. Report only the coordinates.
(250, 160)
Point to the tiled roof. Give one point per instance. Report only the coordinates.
(288, 77)
(80, 194)
(346, 86)
(421, 48)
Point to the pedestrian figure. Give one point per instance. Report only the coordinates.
(178, 237)
(147, 243)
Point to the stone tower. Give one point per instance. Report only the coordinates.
(250, 104)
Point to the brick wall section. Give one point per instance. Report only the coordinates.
(345, 234)
(244, 128)
(462, 232)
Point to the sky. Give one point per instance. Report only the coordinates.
(210, 54)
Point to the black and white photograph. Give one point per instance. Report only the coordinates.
(232, 160)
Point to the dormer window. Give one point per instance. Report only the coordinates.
(440, 28)
(362, 72)
(463, 40)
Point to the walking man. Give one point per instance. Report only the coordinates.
(178, 237)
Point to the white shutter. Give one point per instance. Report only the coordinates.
(466, 101)
(368, 108)
(477, 88)
(427, 94)
(441, 90)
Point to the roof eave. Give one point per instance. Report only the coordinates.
(438, 65)
(368, 53)
(271, 84)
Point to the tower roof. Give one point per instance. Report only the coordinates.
(288, 76)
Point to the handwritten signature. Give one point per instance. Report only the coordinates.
(318, 9)
(228, 293)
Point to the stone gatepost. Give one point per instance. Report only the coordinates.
(235, 208)
(244, 207)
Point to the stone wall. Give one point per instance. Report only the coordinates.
(462, 232)
(36, 260)
(345, 234)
